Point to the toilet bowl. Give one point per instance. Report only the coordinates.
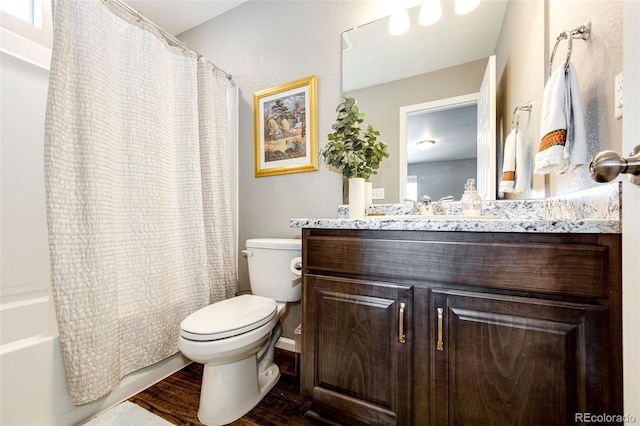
(235, 339)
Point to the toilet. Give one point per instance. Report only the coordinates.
(235, 339)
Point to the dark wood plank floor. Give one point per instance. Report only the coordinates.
(177, 397)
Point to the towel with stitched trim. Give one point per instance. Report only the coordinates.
(563, 144)
(514, 169)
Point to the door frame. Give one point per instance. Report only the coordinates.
(630, 213)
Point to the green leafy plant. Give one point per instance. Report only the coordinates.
(351, 149)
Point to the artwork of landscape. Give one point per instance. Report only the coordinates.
(285, 135)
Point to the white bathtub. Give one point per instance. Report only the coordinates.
(22, 319)
(32, 379)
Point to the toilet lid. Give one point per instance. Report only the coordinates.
(228, 318)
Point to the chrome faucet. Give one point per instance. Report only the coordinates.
(426, 206)
(422, 207)
(438, 208)
(415, 206)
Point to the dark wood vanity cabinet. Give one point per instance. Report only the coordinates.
(360, 357)
(500, 329)
(511, 360)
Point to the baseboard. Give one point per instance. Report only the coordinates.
(286, 344)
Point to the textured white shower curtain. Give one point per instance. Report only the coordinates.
(138, 193)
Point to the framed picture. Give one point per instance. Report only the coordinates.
(286, 128)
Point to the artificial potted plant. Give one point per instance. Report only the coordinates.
(355, 151)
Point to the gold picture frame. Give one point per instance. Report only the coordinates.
(286, 128)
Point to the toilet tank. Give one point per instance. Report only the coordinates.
(270, 272)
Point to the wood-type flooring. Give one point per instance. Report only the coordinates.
(177, 397)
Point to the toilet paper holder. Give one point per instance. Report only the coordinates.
(296, 266)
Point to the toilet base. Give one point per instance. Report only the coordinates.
(229, 391)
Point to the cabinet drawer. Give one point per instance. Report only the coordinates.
(554, 268)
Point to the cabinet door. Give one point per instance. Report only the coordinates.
(501, 360)
(356, 363)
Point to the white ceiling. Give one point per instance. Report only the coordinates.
(177, 16)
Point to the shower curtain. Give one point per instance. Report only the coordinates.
(138, 192)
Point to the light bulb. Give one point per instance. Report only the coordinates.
(465, 6)
(399, 23)
(430, 12)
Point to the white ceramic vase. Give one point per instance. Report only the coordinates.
(356, 198)
(368, 193)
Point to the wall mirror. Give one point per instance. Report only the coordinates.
(401, 81)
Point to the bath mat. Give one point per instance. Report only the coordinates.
(127, 414)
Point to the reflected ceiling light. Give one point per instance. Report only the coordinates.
(399, 23)
(465, 6)
(425, 144)
(430, 12)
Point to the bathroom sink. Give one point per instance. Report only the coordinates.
(430, 217)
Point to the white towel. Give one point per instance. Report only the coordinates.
(508, 181)
(577, 140)
(563, 144)
(514, 169)
(522, 169)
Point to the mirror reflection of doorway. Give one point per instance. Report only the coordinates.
(412, 188)
(441, 152)
(442, 168)
(484, 142)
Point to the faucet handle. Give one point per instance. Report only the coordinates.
(415, 206)
(439, 208)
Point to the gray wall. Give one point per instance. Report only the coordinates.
(522, 59)
(267, 43)
(520, 65)
(597, 61)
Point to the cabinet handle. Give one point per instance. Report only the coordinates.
(401, 335)
(439, 345)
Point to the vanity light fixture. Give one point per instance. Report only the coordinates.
(430, 12)
(399, 22)
(466, 6)
(425, 144)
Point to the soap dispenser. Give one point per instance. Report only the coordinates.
(471, 202)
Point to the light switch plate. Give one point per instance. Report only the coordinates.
(377, 194)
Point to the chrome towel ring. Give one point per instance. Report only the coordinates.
(582, 32)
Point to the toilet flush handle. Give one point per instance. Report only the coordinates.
(249, 253)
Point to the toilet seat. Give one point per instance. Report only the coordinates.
(228, 318)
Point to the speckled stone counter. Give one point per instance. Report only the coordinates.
(596, 210)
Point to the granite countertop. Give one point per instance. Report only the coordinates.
(596, 210)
